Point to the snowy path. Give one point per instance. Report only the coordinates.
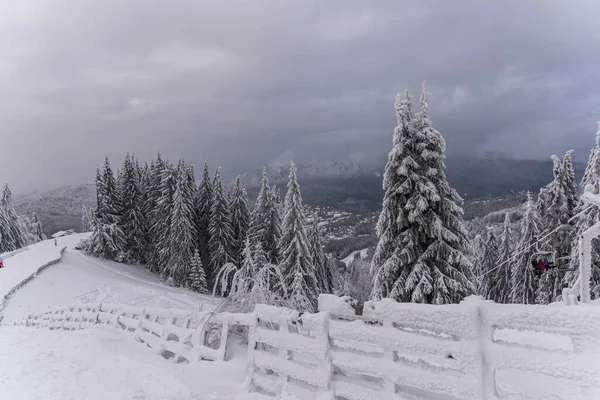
(101, 363)
(78, 278)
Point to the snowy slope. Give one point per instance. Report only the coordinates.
(100, 363)
(78, 278)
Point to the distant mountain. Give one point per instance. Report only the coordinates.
(354, 187)
(58, 209)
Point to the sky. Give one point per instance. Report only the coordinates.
(246, 83)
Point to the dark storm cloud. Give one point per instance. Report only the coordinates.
(243, 82)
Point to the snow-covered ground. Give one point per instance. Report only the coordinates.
(78, 278)
(102, 363)
(350, 258)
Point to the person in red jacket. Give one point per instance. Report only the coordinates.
(541, 265)
(1, 262)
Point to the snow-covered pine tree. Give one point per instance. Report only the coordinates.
(568, 180)
(38, 231)
(489, 286)
(197, 276)
(323, 273)
(220, 229)
(153, 222)
(240, 220)
(182, 232)
(107, 239)
(132, 218)
(554, 211)
(203, 205)
(265, 223)
(86, 222)
(7, 240)
(296, 264)
(524, 279)
(19, 235)
(420, 256)
(162, 217)
(503, 273)
(591, 176)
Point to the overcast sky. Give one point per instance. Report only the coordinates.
(243, 82)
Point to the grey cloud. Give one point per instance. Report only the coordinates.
(241, 82)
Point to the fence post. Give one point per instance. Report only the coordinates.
(390, 355)
(284, 354)
(251, 352)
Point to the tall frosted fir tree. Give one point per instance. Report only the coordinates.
(132, 218)
(204, 197)
(553, 209)
(154, 218)
(197, 276)
(182, 231)
(296, 264)
(220, 229)
(420, 256)
(38, 231)
(502, 275)
(18, 234)
(568, 180)
(323, 273)
(265, 223)
(524, 280)
(489, 287)
(591, 176)
(107, 239)
(240, 220)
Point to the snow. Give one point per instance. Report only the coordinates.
(23, 265)
(62, 233)
(350, 258)
(101, 363)
(78, 278)
(337, 306)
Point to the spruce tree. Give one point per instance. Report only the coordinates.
(297, 265)
(503, 274)
(323, 273)
(489, 285)
(524, 280)
(568, 180)
(240, 218)
(220, 229)
(18, 234)
(197, 276)
(162, 219)
(420, 256)
(203, 208)
(153, 218)
(38, 231)
(588, 218)
(132, 218)
(265, 224)
(86, 223)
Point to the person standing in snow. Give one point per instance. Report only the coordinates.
(1, 262)
(55, 243)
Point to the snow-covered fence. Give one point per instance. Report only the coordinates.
(472, 350)
(288, 352)
(177, 335)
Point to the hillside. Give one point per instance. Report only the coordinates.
(58, 209)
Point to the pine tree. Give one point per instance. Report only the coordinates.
(323, 274)
(181, 233)
(553, 209)
(588, 218)
(568, 180)
(524, 279)
(197, 276)
(203, 206)
(132, 218)
(296, 260)
(221, 231)
(265, 224)
(86, 223)
(153, 218)
(7, 240)
(503, 274)
(420, 256)
(489, 286)
(38, 231)
(17, 233)
(240, 218)
(162, 217)
(107, 239)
